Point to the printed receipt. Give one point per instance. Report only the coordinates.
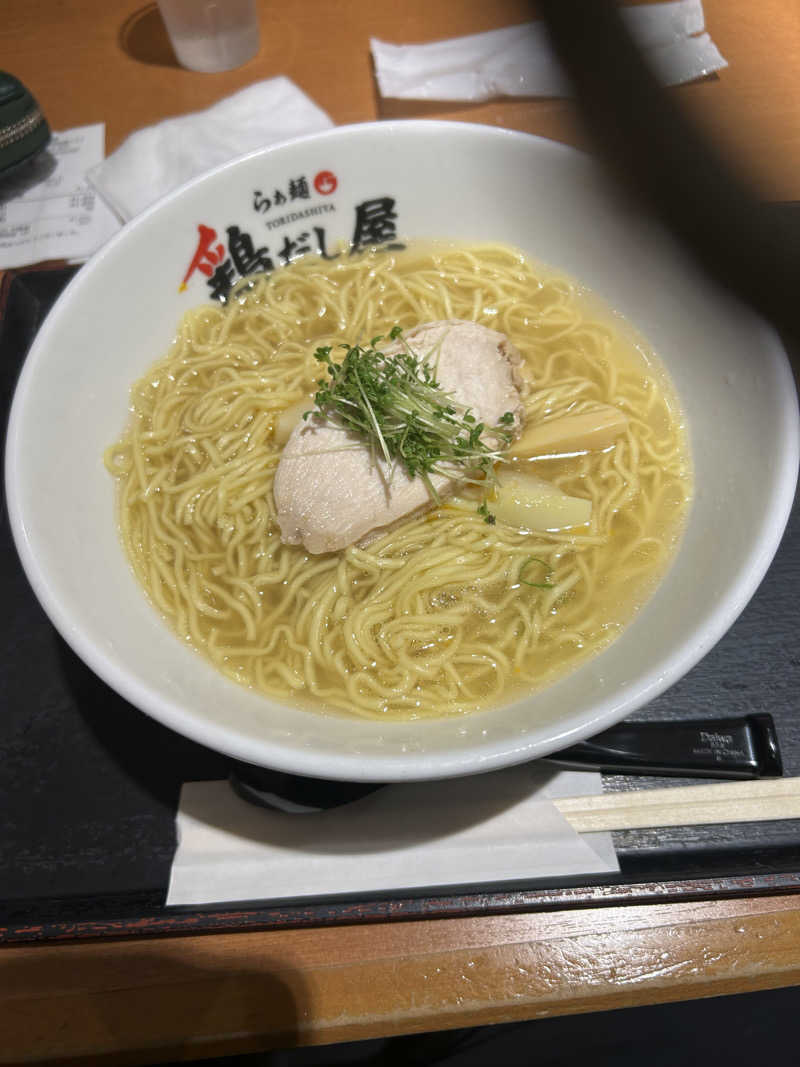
(48, 210)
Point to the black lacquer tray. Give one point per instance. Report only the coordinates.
(89, 785)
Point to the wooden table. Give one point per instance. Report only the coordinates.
(146, 1000)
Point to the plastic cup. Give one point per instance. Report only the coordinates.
(211, 35)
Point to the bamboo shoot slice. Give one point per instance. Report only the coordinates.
(584, 432)
(530, 503)
(289, 418)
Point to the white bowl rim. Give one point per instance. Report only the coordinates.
(409, 766)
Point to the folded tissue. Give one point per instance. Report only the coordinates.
(157, 159)
(518, 60)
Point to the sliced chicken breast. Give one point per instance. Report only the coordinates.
(329, 490)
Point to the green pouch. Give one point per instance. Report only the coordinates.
(23, 128)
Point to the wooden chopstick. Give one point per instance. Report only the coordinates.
(692, 805)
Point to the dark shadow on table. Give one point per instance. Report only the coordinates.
(152, 755)
(735, 1030)
(143, 36)
(189, 1002)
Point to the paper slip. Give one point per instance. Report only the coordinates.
(48, 210)
(493, 829)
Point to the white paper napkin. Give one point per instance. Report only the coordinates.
(518, 60)
(486, 829)
(156, 159)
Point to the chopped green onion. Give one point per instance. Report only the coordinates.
(487, 515)
(536, 585)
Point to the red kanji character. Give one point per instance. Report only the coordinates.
(205, 258)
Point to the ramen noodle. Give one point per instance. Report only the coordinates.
(437, 616)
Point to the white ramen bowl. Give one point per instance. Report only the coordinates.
(387, 181)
